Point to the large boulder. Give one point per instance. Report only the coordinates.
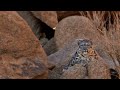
(21, 55)
(75, 27)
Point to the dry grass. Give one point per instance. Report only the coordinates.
(103, 19)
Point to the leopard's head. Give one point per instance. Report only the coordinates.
(84, 44)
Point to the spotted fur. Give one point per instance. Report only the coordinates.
(81, 55)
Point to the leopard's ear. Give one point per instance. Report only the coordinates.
(79, 41)
(91, 42)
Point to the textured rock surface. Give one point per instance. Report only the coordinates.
(21, 54)
(48, 17)
(50, 47)
(75, 72)
(50, 65)
(22, 68)
(74, 27)
(56, 73)
(98, 69)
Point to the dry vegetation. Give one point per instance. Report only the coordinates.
(102, 19)
(108, 23)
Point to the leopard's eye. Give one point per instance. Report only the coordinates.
(82, 44)
(87, 44)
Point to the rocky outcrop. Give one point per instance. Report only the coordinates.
(78, 71)
(21, 55)
(75, 27)
(48, 17)
(39, 28)
(30, 48)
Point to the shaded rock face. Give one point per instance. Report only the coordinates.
(63, 14)
(40, 29)
(43, 41)
(97, 68)
(114, 74)
(21, 54)
(33, 22)
(50, 47)
(48, 17)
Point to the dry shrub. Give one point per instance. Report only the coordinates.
(103, 19)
